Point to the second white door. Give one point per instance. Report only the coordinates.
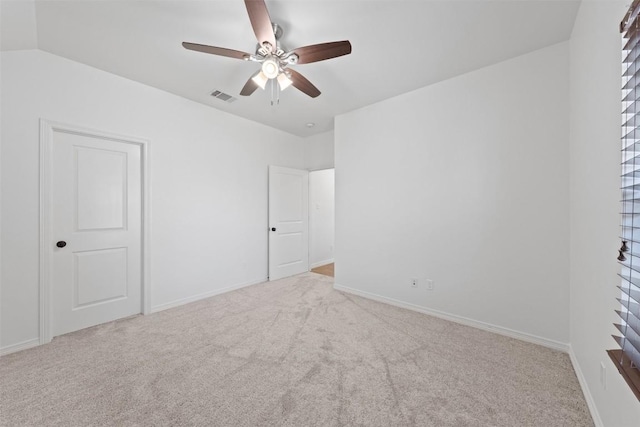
(97, 221)
(288, 222)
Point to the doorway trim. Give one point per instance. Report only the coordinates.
(47, 129)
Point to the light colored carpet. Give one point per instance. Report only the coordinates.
(293, 352)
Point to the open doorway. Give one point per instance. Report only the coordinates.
(321, 221)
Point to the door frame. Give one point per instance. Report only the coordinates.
(47, 129)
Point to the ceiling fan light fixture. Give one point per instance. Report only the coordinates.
(260, 79)
(270, 68)
(284, 81)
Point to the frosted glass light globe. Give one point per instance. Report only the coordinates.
(270, 68)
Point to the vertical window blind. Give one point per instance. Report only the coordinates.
(627, 358)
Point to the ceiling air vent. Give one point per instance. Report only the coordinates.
(223, 96)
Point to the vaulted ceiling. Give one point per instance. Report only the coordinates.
(398, 45)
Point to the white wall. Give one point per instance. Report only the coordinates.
(318, 151)
(321, 217)
(464, 182)
(208, 176)
(595, 179)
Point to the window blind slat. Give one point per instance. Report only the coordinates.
(634, 294)
(631, 137)
(631, 144)
(634, 267)
(630, 219)
(631, 186)
(631, 239)
(631, 70)
(631, 42)
(629, 305)
(629, 204)
(632, 337)
(632, 122)
(632, 108)
(632, 246)
(634, 81)
(632, 54)
(629, 317)
(631, 171)
(619, 340)
(631, 161)
(632, 96)
(630, 322)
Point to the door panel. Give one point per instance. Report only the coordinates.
(100, 276)
(97, 210)
(102, 194)
(289, 215)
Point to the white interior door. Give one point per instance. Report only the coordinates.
(288, 222)
(96, 229)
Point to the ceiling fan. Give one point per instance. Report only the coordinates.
(274, 59)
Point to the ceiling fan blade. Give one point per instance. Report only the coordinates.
(260, 21)
(221, 51)
(322, 51)
(249, 87)
(301, 83)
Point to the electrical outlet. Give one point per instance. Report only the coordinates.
(414, 283)
(603, 375)
(429, 284)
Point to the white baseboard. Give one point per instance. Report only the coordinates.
(321, 263)
(19, 346)
(555, 345)
(585, 389)
(187, 300)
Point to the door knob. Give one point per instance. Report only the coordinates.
(273, 229)
(61, 244)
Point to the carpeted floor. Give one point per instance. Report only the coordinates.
(293, 352)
